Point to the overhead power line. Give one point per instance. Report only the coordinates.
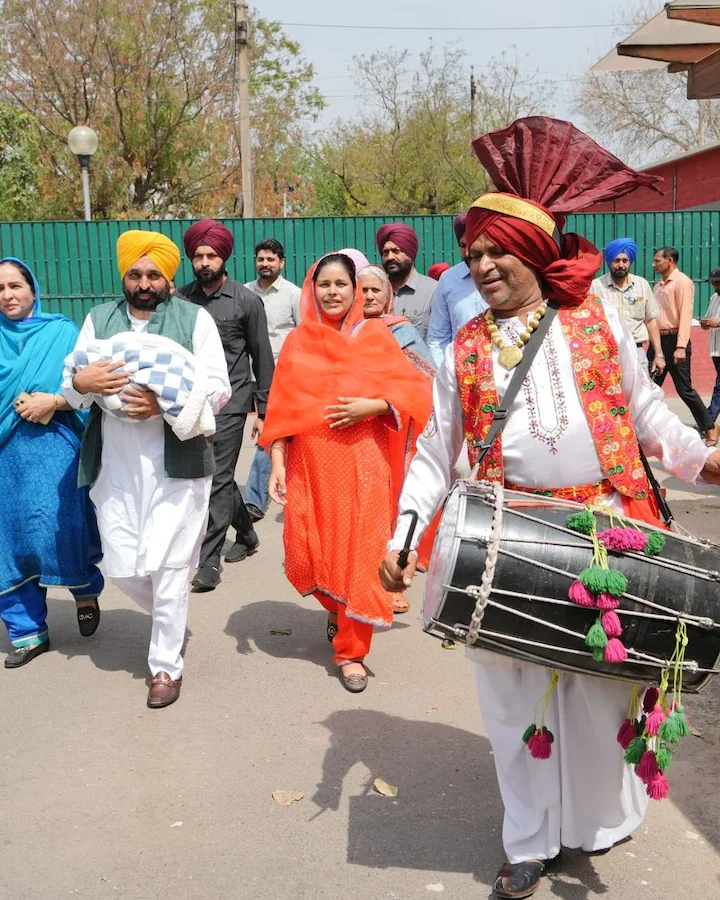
(453, 27)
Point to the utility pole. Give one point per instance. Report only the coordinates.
(242, 78)
(473, 94)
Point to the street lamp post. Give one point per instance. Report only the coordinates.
(83, 142)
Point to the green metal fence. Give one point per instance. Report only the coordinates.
(75, 261)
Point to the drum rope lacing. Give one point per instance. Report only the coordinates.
(482, 593)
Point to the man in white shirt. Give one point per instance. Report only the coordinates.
(456, 301)
(281, 299)
(151, 490)
(632, 297)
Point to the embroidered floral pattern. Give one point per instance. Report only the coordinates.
(596, 364)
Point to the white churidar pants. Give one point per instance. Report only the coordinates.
(584, 796)
(165, 596)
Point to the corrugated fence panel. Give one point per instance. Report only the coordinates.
(76, 267)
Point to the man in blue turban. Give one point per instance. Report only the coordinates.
(632, 297)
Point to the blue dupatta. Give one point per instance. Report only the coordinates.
(32, 355)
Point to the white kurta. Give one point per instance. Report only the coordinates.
(584, 796)
(149, 522)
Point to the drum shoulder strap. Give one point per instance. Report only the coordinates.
(501, 413)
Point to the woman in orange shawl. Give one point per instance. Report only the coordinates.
(340, 388)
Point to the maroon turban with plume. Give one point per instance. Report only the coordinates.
(436, 270)
(544, 169)
(209, 233)
(459, 225)
(400, 234)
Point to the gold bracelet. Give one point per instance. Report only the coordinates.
(55, 400)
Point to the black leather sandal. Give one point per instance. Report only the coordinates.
(332, 628)
(518, 880)
(88, 618)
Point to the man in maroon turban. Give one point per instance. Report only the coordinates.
(413, 293)
(241, 321)
(573, 432)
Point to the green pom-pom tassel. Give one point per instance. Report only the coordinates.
(598, 654)
(616, 583)
(668, 730)
(594, 579)
(664, 757)
(596, 639)
(678, 714)
(583, 522)
(529, 732)
(655, 544)
(634, 752)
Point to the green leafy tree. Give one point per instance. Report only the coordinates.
(19, 153)
(155, 79)
(411, 153)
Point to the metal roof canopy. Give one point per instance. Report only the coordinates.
(685, 35)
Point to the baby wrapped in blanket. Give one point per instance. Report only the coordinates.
(154, 363)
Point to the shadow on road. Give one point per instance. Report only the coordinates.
(256, 623)
(119, 645)
(448, 814)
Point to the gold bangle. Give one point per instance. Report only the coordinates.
(55, 400)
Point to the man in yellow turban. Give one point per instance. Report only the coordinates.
(151, 489)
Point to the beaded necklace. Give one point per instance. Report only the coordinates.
(510, 355)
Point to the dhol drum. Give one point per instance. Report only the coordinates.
(503, 562)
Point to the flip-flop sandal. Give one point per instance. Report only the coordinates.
(516, 881)
(332, 629)
(400, 606)
(355, 683)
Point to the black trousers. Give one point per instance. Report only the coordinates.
(226, 502)
(680, 374)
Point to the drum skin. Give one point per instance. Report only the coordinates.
(459, 560)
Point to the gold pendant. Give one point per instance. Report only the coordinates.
(510, 357)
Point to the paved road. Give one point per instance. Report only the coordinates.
(103, 798)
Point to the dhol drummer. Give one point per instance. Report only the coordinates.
(573, 431)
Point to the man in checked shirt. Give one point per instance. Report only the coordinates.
(632, 297)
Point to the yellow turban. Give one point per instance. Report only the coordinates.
(132, 245)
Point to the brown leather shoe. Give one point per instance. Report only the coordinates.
(163, 691)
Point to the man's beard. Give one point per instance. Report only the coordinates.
(206, 275)
(400, 270)
(146, 304)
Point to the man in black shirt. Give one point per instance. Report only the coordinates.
(240, 318)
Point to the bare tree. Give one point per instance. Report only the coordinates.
(645, 114)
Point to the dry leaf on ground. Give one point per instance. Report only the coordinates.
(382, 787)
(286, 798)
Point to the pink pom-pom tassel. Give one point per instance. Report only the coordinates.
(627, 733)
(615, 651)
(647, 769)
(623, 539)
(658, 787)
(611, 624)
(606, 601)
(540, 744)
(579, 594)
(651, 697)
(655, 720)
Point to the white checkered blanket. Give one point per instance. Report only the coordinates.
(157, 364)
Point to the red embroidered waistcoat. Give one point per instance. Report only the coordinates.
(596, 364)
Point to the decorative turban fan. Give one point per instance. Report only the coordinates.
(621, 245)
(132, 245)
(459, 225)
(545, 169)
(209, 233)
(400, 234)
(436, 270)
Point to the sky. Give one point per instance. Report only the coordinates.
(558, 55)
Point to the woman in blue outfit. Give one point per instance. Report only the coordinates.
(48, 534)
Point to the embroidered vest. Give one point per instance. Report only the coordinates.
(174, 319)
(596, 365)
